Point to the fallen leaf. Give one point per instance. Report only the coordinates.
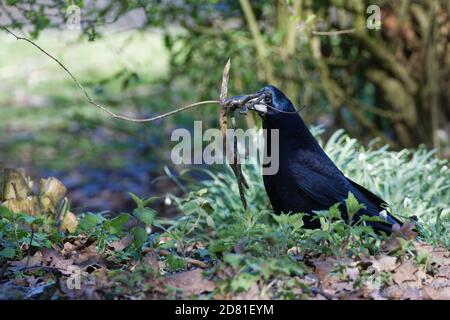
(254, 293)
(190, 282)
(406, 231)
(353, 273)
(151, 259)
(322, 268)
(385, 263)
(439, 289)
(122, 243)
(405, 272)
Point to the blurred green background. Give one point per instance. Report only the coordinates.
(141, 58)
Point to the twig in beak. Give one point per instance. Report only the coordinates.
(228, 106)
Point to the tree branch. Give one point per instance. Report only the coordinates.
(104, 109)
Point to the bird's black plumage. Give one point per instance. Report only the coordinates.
(307, 180)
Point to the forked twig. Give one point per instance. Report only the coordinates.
(232, 158)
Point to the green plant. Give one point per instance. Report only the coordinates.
(20, 229)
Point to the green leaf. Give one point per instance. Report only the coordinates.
(334, 211)
(202, 192)
(353, 206)
(295, 220)
(136, 199)
(89, 222)
(243, 282)
(139, 237)
(235, 260)
(145, 215)
(6, 213)
(27, 218)
(210, 222)
(116, 224)
(8, 253)
(142, 203)
(189, 207)
(219, 246)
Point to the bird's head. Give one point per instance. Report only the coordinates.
(266, 102)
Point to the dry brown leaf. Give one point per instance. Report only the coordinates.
(190, 282)
(254, 293)
(339, 288)
(353, 273)
(370, 292)
(68, 248)
(406, 231)
(322, 268)
(411, 293)
(393, 292)
(385, 263)
(438, 289)
(421, 277)
(151, 259)
(87, 257)
(405, 272)
(122, 243)
(44, 258)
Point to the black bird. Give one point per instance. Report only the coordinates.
(307, 180)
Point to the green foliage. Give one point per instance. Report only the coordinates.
(352, 206)
(414, 183)
(18, 229)
(255, 245)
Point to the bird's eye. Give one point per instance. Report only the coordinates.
(267, 99)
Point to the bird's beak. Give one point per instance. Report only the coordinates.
(260, 108)
(248, 102)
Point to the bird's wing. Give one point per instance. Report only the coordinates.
(319, 178)
(369, 195)
(323, 183)
(374, 199)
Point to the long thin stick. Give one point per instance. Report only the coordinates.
(235, 165)
(106, 110)
(333, 33)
